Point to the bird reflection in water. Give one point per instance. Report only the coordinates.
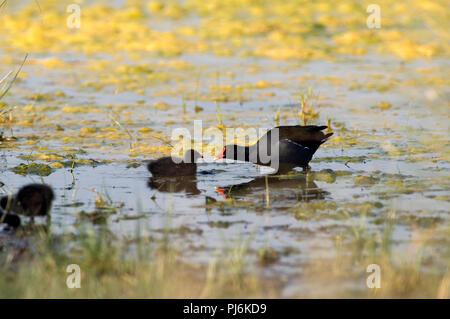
(186, 184)
(282, 191)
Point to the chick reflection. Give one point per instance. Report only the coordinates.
(282, 191)
(187, 184)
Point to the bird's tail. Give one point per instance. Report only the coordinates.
(325, 138)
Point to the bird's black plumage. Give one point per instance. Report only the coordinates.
(283, 147)
(31, 200)
(174, 167)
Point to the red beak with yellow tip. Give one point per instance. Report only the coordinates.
(221, 191)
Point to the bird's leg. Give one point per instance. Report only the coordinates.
(306, 168)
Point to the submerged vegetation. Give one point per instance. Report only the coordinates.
(88, 106)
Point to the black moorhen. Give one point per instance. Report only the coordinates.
(169, 167)
(294, 147)
(31, 200)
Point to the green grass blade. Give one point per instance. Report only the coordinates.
(15, 77)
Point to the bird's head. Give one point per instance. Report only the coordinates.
(191, 156)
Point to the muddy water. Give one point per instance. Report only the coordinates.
(268, 214)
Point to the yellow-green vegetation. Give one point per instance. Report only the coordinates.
(281, 30)
(286, 31)
(32, 168)
(326, 175)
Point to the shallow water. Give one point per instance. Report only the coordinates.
(381, 160)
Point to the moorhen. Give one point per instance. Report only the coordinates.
(175, 167)
(292, 146)
(31, 200)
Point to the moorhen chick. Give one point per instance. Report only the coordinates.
(292, 146)
(175, 167)
(31, 200)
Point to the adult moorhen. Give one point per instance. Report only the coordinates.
(282, 148)
(31, 200)
(175, 167)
